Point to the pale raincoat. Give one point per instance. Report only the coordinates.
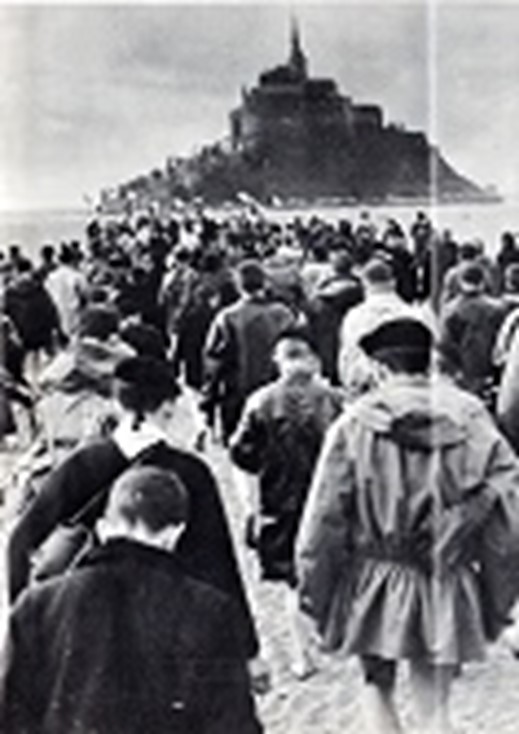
(406, 546)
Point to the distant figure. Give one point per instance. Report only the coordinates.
(382, 303)
(510, 324)
(68, 289)
(127, 642)
(47, 262)
(13, 385)
(34, 314)
(472, 252)
(469, 327)
(317, 269)
(333, 297)
(508, 254)
(239, 345)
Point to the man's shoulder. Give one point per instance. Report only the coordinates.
(96, 576)
(189, 465)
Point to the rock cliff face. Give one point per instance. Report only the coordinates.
(296, 138)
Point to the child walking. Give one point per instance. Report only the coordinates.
(278, 439)
(406, 545)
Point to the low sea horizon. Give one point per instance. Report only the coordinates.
(33, 228)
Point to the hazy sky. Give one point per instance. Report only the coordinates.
(90, 96)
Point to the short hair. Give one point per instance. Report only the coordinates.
(142, 384)
(299, 334)
(66, 255)
(47, 252)
(145, 339)
(343, 262)
(251, 276)
(149, 494)
(24, 265)
(377, 271)
(98, 321)
(469, 250)
(472, 276)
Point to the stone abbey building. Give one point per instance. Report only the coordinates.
(297, 139)
(302, 138)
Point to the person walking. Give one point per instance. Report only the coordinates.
(278, 439)
(68, 289)
(407, 548)
(127, 641)
(381, 303)
(73, 496)
(469, 327)
(239, 345)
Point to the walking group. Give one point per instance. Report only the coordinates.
(362, 381)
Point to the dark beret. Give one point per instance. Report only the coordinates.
(399, 334)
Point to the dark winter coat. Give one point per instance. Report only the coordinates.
(279, 437)
(333, 298)
(238, 351)
(125, 643)
(205, 549)
(32, 311)
(469, 328)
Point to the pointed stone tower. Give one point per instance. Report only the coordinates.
(297, 61)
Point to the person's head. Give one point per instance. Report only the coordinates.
(182, 254)
(212, 261)
(377, 276)
(508, 241)
(98, 322)
(342, 262)
(145, 388)
(251, 277)
(24, 266)
(320, 252)
(47, 253)
(469, 251)
(295, 354)
(472, 279)
(512, 278)
(146, 505)
(15, 253)
(66, 255)
(144, 338)
(401, 346)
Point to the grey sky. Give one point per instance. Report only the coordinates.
(92, 95)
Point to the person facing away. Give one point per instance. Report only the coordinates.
(74, 493)
(67, 287)
(126, 641)
(469, 326)
(333, 297)
(278, 438)
(32, 310)
(381, 303)
(239, 345)
(400, 526)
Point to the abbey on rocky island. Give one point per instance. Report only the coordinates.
(296, 139)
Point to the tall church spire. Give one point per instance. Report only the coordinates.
(297, 61)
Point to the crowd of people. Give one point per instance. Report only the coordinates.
(363, 382)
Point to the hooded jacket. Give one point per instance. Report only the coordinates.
(404, 500)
